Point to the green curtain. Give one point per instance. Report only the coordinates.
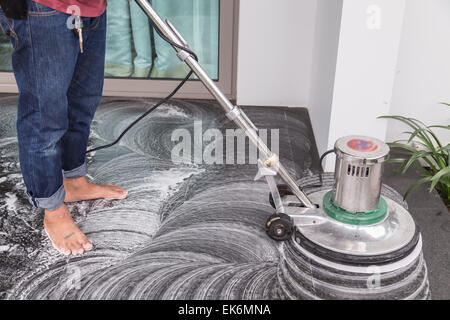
(128, 46)
(129, 40)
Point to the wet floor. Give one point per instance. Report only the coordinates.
(186, 231)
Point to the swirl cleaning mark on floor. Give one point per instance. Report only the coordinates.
(185, 231)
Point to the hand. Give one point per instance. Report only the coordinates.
(14, 9)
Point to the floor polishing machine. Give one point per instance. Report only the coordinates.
(349, 237)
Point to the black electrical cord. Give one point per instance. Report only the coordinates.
(321, 166)
(322, 171)
(161, 102)
(323, 157)
(124, 132)
(173, 43)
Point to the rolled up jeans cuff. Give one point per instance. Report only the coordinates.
(81, 171)
(51, 203)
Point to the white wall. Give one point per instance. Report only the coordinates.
(330, 56)
(423, 70)
(328, 22)
(367, 58)
(275, 52)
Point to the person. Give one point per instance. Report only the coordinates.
(60, 85)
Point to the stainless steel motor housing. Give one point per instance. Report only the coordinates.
(358, 172)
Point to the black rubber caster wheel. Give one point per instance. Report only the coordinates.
(284, 190)
(279, 227)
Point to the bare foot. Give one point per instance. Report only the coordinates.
(64, 233)
(80, 189)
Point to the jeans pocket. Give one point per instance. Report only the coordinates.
(4, 24)
(37, 9)
(7, 26)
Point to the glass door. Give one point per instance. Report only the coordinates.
(135, 50)
(139, 63)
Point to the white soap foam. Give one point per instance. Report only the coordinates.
(11, 200)
(6, 141)
(167, 180)
(170, 110)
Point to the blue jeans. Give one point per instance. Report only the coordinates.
(60, 89)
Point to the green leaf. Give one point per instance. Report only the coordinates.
(420, 130)
(416, 184)
(445, 182)
(418, 155)
(440, 127)
(414, 151)
(396, 160)
(405, 120)
(435, 154)
(438, 142)
(424, 170)
(402, 152)
(414, 134)
(438, 176)
(423, 134)
(444, 148)
(441, 160)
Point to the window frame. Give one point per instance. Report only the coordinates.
(158, 88)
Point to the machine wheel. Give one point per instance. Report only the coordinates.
(279, 227)
(284, 190)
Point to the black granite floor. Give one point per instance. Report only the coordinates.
(186, 230)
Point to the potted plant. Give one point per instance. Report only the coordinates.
(424, 150)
